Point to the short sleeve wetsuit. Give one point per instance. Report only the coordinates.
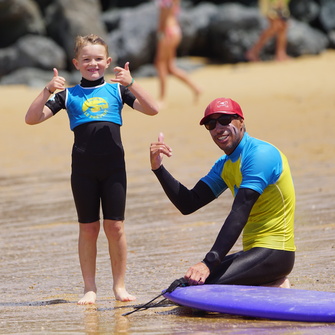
(98, 166)
(256, 171)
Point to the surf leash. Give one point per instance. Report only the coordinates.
(181, 282)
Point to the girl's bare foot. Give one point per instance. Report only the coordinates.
(122, 295)
(282, 57)
(197, 92)
(251, 56)
(89, 298)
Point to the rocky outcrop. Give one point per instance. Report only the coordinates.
(40, 34)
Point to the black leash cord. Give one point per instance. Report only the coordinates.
(177, 283)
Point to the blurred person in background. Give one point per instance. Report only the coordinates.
(277, 12)
(169, 36)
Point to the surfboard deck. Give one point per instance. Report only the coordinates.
(258, 301)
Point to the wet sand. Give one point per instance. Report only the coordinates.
(290, 104)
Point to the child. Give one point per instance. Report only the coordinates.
(169, 36)
(98, 168)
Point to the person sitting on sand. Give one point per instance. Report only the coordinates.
(259, 177)
(277, 13)
(98, 167)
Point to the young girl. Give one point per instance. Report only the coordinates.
(98, 167)
(169, 36)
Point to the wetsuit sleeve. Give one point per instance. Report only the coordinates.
(187, 201)
(57, 102)
(232, 227)
(127, 96)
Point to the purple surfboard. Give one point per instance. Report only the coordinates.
(258, 301)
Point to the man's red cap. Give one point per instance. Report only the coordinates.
(222, 106)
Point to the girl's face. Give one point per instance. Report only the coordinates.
(92, 61)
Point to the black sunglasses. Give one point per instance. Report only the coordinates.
(224, 120)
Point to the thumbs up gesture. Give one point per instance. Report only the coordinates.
(157, 150)
(57, 82)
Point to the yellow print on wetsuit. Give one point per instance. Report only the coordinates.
(95, 108)
(260, 166)
(100, 103)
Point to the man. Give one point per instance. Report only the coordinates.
(259, 178)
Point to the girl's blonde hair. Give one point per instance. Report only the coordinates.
(82, 41)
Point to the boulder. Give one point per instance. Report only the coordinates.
(40, 34)
(65, 20)
(305, 40)
(195, 23)
(18, 18)
(134, 40)
(327, 14)
(32, 51)
(304, 10)
(232, 32)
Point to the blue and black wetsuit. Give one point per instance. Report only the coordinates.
(98, 166)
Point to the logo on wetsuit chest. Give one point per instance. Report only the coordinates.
(95, 108)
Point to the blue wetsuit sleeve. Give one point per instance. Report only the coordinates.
(214, 180)
(261, 168)
(187, 201)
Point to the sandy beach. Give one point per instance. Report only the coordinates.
(290, 104)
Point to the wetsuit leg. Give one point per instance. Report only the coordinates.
(113, 195)
(96, 179)
(85, 190)
(257, 266)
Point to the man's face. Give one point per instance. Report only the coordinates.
(227, 137)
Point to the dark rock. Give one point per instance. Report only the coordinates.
(134, 41)
(303, 39)
(304, 10)
(27, 76)
(232, 32)
(195, 24)
(32, 51)
(35, 77)
(18, 18)
(66, 20)
(220, 30)
(327, 14)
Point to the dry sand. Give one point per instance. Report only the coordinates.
(290, 104)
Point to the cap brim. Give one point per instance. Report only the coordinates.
(205, 118)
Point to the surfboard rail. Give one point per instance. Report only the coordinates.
(258, 301)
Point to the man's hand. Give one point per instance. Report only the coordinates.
(197, 274)
(157, 150)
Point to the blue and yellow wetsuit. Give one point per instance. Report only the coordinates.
(257, 173)
(259, 166)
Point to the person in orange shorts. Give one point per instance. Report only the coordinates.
(277, 13)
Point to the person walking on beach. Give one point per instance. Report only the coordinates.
(169, 36)
(98, 167)
(277, 13)
(259, 177)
